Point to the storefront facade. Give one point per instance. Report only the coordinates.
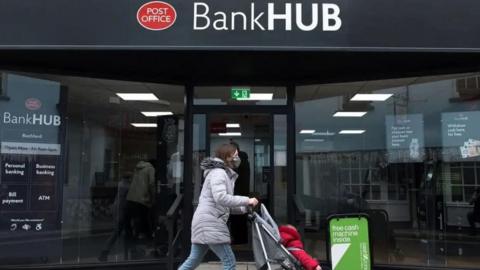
(337, 106)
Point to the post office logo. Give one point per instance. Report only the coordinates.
(156, 15)
(33, 104)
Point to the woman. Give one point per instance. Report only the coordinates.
(209, 224)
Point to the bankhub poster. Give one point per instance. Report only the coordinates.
(31, 134)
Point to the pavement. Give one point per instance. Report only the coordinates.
(218, 265)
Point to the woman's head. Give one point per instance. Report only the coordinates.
(228, 153)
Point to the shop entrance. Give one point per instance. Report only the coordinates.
(252, 134)
(261, 139)
(261, 121)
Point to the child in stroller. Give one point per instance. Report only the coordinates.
(273, 251)
(292, 241)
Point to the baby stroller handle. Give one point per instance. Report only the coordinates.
(250, 213)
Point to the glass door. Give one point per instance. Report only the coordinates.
(261, 140)
(253, 135)
(256, 123)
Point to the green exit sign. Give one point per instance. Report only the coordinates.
(240, 93)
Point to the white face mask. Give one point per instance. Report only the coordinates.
(236, 161)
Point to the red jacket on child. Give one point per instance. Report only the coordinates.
(291, 239)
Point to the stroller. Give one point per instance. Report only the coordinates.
(268, 251)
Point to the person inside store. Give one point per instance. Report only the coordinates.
(217, 201)
(474, 216)
(140, 200)
(118, 207)
(238, 223)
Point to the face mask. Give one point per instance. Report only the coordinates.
(236, 162)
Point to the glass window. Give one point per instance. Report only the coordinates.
(409, 147)
(469, 176)
(89, 168)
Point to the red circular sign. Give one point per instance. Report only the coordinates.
(156, 15)
(33, 104)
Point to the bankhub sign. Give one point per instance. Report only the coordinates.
(157, 15)
(244, 24)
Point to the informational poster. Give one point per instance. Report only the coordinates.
(31, 138)
(405, 138)
(349, 243)
(461, 136)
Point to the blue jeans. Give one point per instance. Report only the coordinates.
(223, 251)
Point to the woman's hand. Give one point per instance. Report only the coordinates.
(253, 202)
(318, 268)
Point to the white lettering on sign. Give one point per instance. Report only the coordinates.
(157, 15)
(287, 16)
(32, 119)
(14, 169)
(12, 201)
(331, 12)
(204, 19)
(30, 148)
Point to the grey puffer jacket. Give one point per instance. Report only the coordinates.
(142, 188)
(216, 202)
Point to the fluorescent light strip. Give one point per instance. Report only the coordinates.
(352, 131)
(233, 125)
(371, 97)
(324, 133)
(155, 114)
(144, 125)
(349, 114)
(258, 96)
(137, 96)
(314, 140)
(230, 134)
(307, 131)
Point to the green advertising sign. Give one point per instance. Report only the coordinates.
(349, 243)
(240, 93)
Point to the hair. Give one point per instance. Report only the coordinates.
(234, 143)
(225, 151)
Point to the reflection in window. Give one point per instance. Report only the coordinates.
(413, 156)
(119, 167)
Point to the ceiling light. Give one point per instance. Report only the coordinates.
(352, 131)
(155, 114)
(323, 133)
(137, 96)
(314, 140)
(259, 96)
(307, 131)
(233, 125)
(371, 97)
(230, 134)
(144, 125)
(349, 114)
(258, 140)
